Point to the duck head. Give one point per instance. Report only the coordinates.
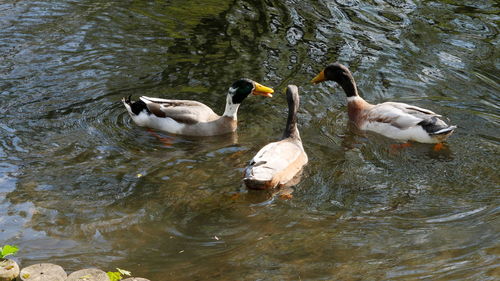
(244, 87)
(340, 74)
(334, 72)
(240, 90)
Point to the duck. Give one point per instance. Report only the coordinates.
(394, 120)
(193, 118)
(277, 163)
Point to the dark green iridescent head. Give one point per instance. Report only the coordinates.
(244, 87)
(241, 89)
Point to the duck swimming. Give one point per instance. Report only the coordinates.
(395, 120)
(277, 163)
(192, 118)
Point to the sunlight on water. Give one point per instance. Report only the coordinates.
(83, 186)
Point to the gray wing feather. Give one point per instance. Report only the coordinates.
(400, 115)
(184, 111)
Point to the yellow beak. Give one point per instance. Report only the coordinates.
(319, 78)
(261, 90)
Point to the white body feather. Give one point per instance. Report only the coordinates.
(399, 121)
(275, 158)
(166, 124)
(402, 126)
(414, 133)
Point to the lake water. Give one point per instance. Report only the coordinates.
(83, 186)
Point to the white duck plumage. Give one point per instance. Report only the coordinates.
(192, 118)
(395, 120)
(277, 163)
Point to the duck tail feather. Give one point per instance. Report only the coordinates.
(127, 100)
(135, 107)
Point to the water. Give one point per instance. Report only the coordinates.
(83, 186)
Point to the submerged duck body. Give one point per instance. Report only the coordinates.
(395, 120)
(192, 118)
(277, 163)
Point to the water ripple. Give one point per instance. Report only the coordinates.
(83, 184)
(455, 217)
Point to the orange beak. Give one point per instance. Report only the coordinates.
(319, 78)
(261, 90)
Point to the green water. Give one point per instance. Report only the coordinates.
(82, 186)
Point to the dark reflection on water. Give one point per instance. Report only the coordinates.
(83, 186)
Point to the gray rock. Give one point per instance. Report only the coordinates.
(43, 272)
(89, 274)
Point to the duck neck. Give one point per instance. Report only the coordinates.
(291, 130)
(231, 108)
(349, 85)
(354, 100)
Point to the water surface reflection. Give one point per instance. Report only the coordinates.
(83, 186)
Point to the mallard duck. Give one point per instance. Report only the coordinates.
(395, 120)
(277, 163)
(192, 118)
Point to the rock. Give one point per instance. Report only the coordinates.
(43, 272)
(9, 270)
(135, 279)
(89, 274)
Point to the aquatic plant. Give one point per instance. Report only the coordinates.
(7, 250)
(117, 275)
